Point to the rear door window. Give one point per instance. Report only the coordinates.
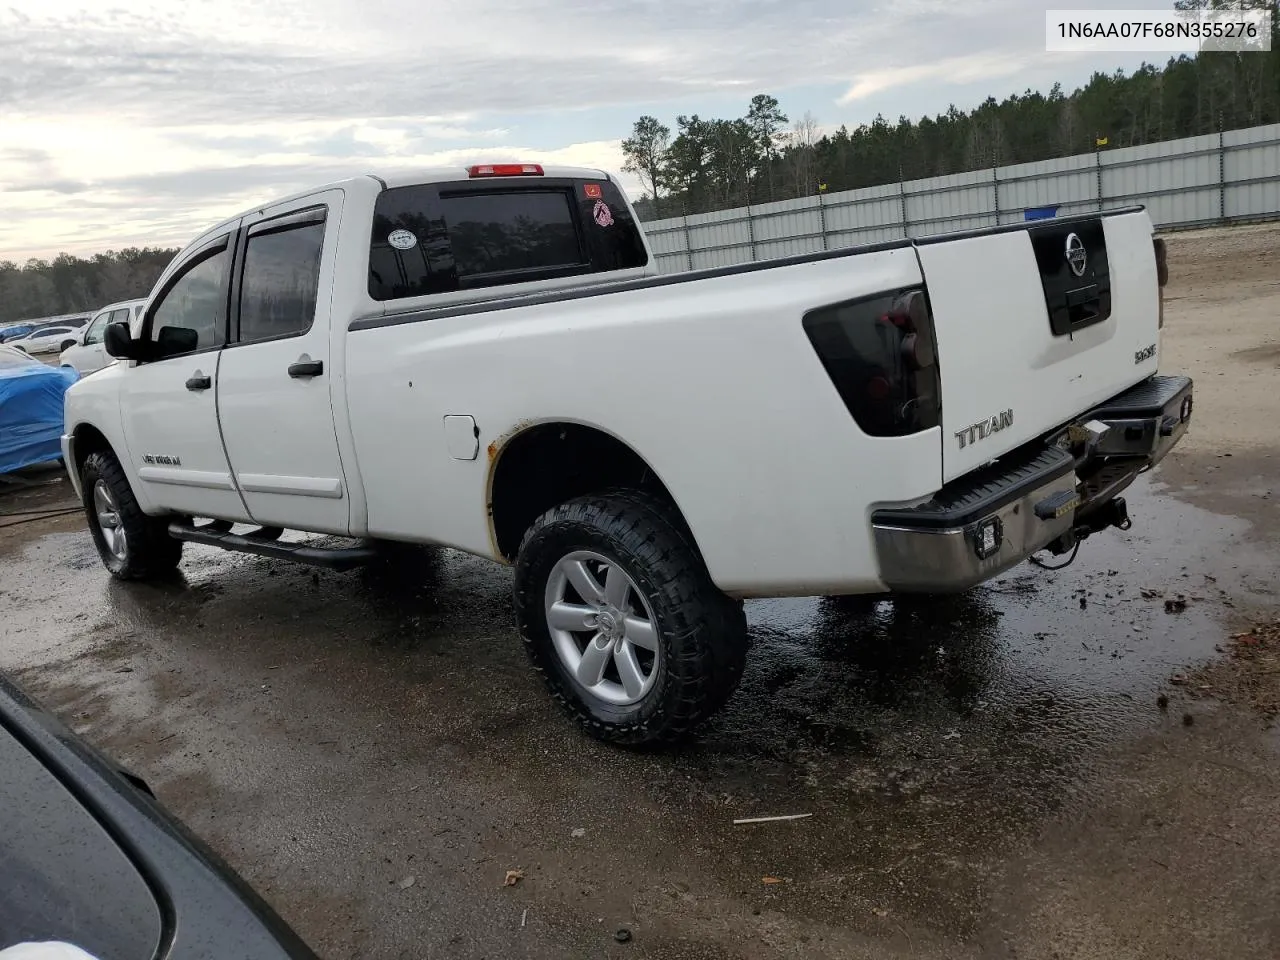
(439, 238)
(281, 278)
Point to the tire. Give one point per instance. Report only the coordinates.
(147, 551)
(66, 345)
(690, 639)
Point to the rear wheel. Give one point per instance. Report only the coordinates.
(66, 344)
(621, 618)
(133, 546)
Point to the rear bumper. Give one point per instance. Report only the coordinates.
(1054, 492)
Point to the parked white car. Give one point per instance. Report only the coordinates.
(51, 339)
(88, 354)
(11, 358)
(487, 359)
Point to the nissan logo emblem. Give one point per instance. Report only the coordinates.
(1077, 258)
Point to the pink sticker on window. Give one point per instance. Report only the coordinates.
(603, 215)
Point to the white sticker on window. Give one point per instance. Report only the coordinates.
(402, 239)
(603, 215)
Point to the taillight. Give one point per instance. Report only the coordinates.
(1162, 273)
(910, 313)
(880, 354)
(505, 170)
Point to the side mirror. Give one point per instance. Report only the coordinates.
(119, 343)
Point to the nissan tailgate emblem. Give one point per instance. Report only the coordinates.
(1077, 258)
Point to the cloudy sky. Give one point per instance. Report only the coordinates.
(139, 122)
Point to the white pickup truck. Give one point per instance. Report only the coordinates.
(487, 359)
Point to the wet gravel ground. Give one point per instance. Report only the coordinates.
(1006, 774)
(989, 775)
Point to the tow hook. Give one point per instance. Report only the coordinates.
(1115, 513)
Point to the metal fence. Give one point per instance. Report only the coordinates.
(1198, 181)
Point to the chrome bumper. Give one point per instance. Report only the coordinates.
(994, 518)
(951, 559)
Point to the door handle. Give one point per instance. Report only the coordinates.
(303, 369)
(199, 382)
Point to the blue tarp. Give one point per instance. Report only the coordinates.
(31, 414)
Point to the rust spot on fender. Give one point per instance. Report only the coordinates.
(500, 441)
(492, 451)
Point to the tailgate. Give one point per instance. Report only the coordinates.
(1036, 325)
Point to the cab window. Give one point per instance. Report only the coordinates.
(190, 315)
(94, 333)
(281, 278)
(441, 238)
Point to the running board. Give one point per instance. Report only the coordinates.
(262, 542)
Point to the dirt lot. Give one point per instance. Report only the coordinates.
(1055, 765)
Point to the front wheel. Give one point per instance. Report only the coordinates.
(620, 616)
(133, 546)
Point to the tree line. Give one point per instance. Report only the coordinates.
(68, 284)
(715, 164)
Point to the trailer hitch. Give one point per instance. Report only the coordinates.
(1113, 513)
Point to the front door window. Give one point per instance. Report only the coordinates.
(94, 333)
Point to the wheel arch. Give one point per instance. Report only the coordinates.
(85, 440)
(541, 464)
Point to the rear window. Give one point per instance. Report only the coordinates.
(439, 238)
(504, 232)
